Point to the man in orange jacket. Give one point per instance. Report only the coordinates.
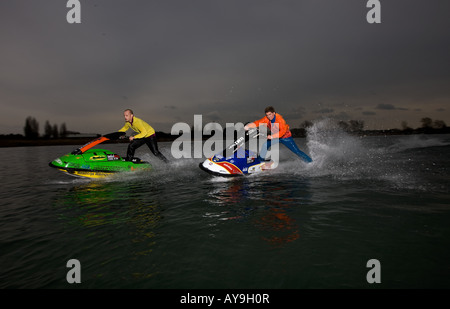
(280, 133)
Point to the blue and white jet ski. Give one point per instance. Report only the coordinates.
(236, 159)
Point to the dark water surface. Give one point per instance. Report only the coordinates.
(299, 226)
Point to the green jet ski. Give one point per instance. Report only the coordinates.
(97, 163)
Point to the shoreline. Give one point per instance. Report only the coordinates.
(6, 141)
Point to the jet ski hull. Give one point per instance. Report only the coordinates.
(234, 166)
(96, 163)
(236, 160)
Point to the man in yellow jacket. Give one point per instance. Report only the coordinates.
(146, 135)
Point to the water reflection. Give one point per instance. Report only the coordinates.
(111, 223)
(269, 205)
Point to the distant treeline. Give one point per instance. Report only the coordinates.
(31, 129)
(429, 126)
(355, 127)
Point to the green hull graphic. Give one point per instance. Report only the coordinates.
(96, 163)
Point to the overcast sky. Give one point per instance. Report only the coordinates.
(224, 59)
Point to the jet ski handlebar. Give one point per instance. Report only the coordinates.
(101, 139)
(115, 135)
(254, 133)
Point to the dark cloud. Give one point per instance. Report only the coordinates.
(386, 106)
(325, 111)
(366, 113)
(390, 107)
(169, 60)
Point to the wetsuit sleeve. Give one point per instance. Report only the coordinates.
(125, 128)
(257, 123)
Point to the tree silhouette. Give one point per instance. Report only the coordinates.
(63, 130)
(426, 122)
(356, 125)
(55, 131)
(31, 128)
(47, 130)
(439, 124)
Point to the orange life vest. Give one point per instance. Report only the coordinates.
(279, 129)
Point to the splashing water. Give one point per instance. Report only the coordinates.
(339, 155)
(401, 162)
(334, 152)
(329, 145)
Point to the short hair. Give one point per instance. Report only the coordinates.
(269, 109)
(128, 110)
